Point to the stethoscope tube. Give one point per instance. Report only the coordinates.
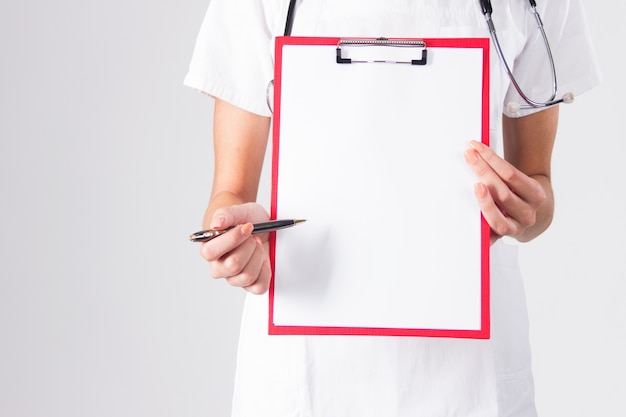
(512, 107)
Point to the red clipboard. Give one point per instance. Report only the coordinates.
(368, 136)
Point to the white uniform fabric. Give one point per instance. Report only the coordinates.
(328, 376)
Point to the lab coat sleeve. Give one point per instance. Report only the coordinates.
(570, 41)
(233, 55)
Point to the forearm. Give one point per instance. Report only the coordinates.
(240, 141)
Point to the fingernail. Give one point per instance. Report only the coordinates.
(246, 229)
(470, 156)
(476, 145)
(217, 222)
(480, 190)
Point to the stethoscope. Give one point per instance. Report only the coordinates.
(514, 107)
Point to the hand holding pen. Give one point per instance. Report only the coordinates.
(240, 255)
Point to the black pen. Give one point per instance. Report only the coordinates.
(206, 235)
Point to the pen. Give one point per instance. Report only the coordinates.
(206, 235)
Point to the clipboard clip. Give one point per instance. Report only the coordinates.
(382, 42)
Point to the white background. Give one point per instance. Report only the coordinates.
(105, 163)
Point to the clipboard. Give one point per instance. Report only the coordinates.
(368, 142)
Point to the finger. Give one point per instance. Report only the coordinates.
(501, 225)
(220, 246)
(237, 214)
(504, 198)
(262, 283)
(522, 185)
(234, 262)
(250, 273)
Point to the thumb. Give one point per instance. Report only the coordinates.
(238, 214)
